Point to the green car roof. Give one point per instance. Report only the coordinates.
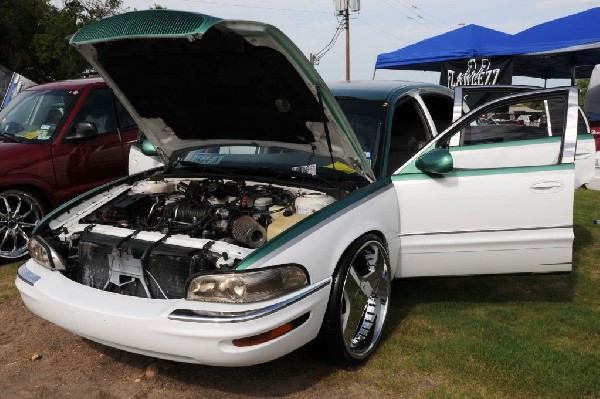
(155, 23)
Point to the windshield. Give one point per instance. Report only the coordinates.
(367, 119)
(35, 115)
(271, 161)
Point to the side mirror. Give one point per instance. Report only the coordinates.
(437, 161)
(149, 149)
(83, 131)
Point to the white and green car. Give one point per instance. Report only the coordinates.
(267, 227)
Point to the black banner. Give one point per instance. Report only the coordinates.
(477, 72)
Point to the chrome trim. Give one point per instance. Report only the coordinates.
(199, 316)
(434, 233)
(27, 275)
(570, 136)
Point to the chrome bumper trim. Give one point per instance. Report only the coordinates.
(198, 316)
(27, 275)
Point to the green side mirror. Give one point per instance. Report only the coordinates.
(148, 149)
(437, 161)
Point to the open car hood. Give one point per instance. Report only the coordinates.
(192, 80)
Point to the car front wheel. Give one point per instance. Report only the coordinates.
(19, 212)
(359, 302)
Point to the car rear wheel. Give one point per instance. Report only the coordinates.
(359, 301)
(19, 212)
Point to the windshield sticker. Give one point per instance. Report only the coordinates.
(30, 135)
(307, 169)
(45, 127)
(341, 167)
(206, 159)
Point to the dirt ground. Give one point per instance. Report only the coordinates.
(41, 360)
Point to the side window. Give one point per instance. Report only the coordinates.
(409, 133)
(521, 121)
(582, 125)
(126, 122)
(98, 109)
(440, 109)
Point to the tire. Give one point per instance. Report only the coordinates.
(358, 304)
(19, 212)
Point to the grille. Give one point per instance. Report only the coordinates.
(164, 274)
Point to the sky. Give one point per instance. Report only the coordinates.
(380, 26)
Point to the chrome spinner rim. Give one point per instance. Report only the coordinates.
(19, 213)
(365, 299)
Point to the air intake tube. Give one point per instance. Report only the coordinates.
(248, 231)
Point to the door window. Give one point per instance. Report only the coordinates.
(409, 133)
(99, 109)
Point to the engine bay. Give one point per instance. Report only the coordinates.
(150, 238)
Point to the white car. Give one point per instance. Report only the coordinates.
(268, 228)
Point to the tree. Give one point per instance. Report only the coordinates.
(582, 84)
(57, 59)
(19, 23)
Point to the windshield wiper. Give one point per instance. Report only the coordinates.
(9, 136)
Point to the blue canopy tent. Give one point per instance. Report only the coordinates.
(462, 43)
(562, 48)
(567, 47)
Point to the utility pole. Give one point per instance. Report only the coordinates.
(343, 9)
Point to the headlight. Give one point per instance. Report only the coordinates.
(43, 254)
(250, 286)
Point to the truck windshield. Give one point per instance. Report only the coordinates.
(35, 115)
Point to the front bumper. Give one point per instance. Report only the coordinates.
(174, 329)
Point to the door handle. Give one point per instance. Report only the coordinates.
(547, 187)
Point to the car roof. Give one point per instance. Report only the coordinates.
(379, 89)
(68, 84)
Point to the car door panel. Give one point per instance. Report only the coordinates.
(585, 159)
(469, 223)
(503, 155)
(490, 216)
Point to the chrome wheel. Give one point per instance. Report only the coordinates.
(358, 304)
(19, 212)
(365, 299)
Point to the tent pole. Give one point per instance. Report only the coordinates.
(572, 75)
(545, 83)
(374, 71)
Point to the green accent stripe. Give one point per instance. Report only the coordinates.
(312, 221)
(585, 136)
(484, 172)
(154, 23)
(514, 143)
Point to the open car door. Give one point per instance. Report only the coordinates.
(482, 206)
(517, 123)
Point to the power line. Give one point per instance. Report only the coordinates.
(381, 30)
(256, 7)
(315, 58)
(412, 18)
(414, 7)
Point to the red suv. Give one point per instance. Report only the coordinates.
(57, 140)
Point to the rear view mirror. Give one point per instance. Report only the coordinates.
(437, 161)
(148, 149)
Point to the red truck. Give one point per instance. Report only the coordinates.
(57, 140)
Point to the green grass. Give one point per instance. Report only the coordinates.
(7, 281)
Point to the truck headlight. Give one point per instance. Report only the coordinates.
(43, 254)
(247, 286)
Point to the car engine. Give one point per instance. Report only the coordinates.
(153, 237)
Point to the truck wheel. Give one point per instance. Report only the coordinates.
(19, 212)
